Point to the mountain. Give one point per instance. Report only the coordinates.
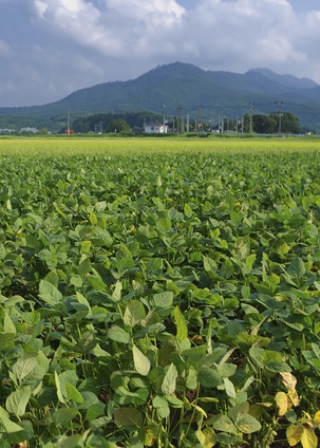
(286, 80)
(175, 88)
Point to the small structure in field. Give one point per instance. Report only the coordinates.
(154, 128)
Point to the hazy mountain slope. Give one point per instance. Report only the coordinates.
(288, 81)
(183, 88)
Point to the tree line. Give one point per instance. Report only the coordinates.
(285, 123)
(119, 122)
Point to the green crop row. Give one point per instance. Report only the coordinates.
(165, 298)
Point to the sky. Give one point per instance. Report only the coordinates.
(51, 48)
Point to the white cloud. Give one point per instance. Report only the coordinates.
(78, 43)
(157, 12)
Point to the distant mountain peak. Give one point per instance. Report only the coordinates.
(286, 80)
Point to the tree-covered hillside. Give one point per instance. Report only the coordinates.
(181, 89)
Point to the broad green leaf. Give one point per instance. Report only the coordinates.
(73, 394)
(68, 441)
(8, 425)
(81, 299)
(296, 268)
(141, 362)
(159, 402)
(163, 299)
(49, 293)
(168, 385)
(209, 264)
(187, 210)
(128, 418)
(134, 313)
(230, 390)
(163, 224)
(25, 365)
(61, 381)
(247, 424)
(118, 334)
(63, 416)
(238, 411)
(182, 328)
(141, 398)
(116, 295)
(222, 423)
(17, 401)
(19, 438)
(209, 378)
(6, 341)
(86, 342)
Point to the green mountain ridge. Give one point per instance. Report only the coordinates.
(178, 88)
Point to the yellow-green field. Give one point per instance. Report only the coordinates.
(69, 146)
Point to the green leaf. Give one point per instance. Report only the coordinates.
(6, 341)
(17, 401)
(128, 418)
(222, 423)
(163, 299)
(141, 362)
(163, 225)
(8, 425)
(86, 343)
(168, 385)
(61, 381)
(73, 394)
(49, 293)
(63, 416)
(238, 411)
(247, 424)
(209, 378)
(230, 390)
(25, 365)
(116, 295)
(296, 268)
(134, 313)
(187, 210)
(68, 442)
(209, 264)
(118, 334)
(182, 329)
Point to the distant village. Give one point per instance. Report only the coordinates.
(152, 128)
(27, 130)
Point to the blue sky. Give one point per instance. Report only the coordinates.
(50, 48)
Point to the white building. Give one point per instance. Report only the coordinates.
(29, 130)
(154, 128)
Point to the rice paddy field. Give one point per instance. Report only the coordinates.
(159, 292)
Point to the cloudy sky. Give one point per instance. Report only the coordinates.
(50, 48)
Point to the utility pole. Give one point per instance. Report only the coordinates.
(251, 109)
(180, 114)
(280, 115)
(164, 115)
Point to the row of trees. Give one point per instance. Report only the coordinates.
(274, 123)
(282, 123)
(109, 122)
